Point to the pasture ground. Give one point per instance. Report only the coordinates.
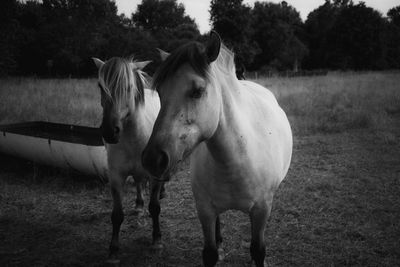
(339, 204)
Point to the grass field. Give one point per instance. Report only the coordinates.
(338, 206)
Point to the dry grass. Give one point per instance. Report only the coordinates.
(338, 206)
(339, 101)
(74, 101)
(333, 103)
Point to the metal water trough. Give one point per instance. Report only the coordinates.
(60, 145)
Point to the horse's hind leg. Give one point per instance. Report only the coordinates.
(258, 216)
(154, 209)
(117, 215)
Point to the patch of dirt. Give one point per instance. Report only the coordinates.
(339, 205)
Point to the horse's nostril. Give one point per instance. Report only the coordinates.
(155, 161)
(116, 130)
(163, 161)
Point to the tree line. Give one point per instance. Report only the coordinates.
(59, 37)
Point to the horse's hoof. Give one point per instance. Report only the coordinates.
(221, 254)
(163, 195)
(253, 264)
(157, 245)
(246, 244)
(113, 263)
(138, 211)
(140, 222)
(130, 180)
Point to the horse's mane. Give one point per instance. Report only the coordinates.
(225, 62)
(194, 53)
(121, 80)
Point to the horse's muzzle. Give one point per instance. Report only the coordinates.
(110, 137)
(155, 161)
(163, 179)
(111, 141)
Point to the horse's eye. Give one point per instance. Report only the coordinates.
(196, 92)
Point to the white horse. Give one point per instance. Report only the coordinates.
(129, 112)
(239, 139)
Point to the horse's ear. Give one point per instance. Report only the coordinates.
(139, 65)
(163, 54)
(213, 47)
(98, 62)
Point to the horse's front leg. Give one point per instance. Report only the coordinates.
(258, 216)
(218, 239)
(208, 220)
(154, 209)
(117, 216)
(140, 182)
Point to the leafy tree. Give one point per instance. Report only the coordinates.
(178, 36)
(9, 28)
(58, 37)
(87, 27)
(394, 15)
(61, 35)
(167, 23)
(342, 35)
(393, 38)
(357, 38)
(160, 15)
(232, 20)
(277, 31)
(317, 27)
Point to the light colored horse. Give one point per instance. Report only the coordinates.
(129, 112)
(238, 137)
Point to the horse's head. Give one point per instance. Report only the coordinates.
(190, 105)
(121, 84)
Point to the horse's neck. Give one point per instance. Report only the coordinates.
(227, 141)
(140, 123)
(135, 127)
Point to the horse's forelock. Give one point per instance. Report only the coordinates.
(121, 81)
(193, 53)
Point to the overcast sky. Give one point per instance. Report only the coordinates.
(198, 9)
